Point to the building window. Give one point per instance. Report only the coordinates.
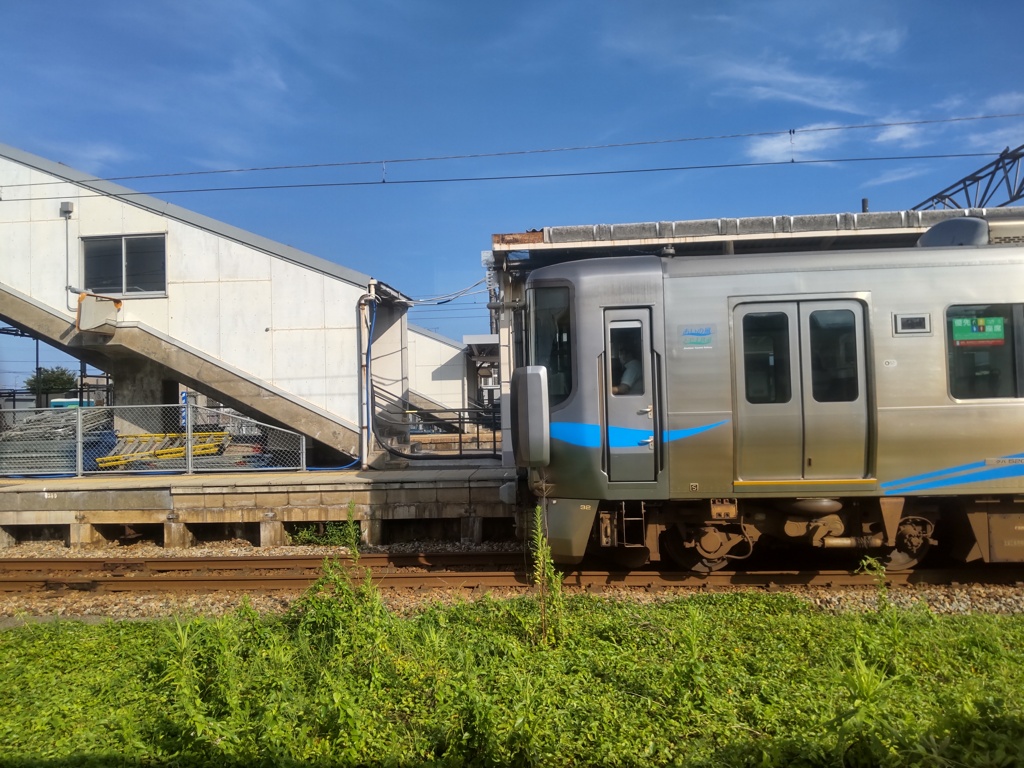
(123, 265)
(982, 343)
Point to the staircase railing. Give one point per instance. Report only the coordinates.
(434, 432)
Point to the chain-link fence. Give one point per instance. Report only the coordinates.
(155, 438)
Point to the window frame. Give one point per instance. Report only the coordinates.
(557, 395)
(125, 268)
(780, 368)
(628, 334)
(1014, 323)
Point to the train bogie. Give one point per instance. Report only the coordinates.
(701, 407)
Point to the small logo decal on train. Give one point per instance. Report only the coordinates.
(698, 336)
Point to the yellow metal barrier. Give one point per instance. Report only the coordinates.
(160, 447)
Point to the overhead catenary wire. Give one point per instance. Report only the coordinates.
(383, 162)
(523, 177)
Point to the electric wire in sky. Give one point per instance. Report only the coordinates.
(791, 132)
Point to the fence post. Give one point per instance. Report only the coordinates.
(189, 421)
(79, 443)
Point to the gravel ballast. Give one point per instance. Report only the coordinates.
(15, 608)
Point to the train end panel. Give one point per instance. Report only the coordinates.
(569, 523)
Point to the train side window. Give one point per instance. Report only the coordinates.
(767, 357)
(981, 343)
(627, 374)
(551, 338)
(833, 356)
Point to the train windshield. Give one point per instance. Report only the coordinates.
(550, 338)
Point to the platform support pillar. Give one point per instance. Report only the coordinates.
(272, 533)
(84, 535)
(472, 530)
(7, 538)
(372, 530)
(177, 535)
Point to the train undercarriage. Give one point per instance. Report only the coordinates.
(705, 536)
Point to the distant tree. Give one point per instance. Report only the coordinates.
(50, 380)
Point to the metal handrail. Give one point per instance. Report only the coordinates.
(468, 425)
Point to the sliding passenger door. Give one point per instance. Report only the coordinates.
(801, 395)
(629, 431)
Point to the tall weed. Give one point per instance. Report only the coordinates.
(547, 581)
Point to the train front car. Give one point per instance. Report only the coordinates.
(595, 330)
(701, 407)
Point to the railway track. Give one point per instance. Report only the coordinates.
(425, 571)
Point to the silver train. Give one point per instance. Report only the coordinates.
(697, 408)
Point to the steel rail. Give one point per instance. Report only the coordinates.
(251, 562)
(207, 578)
(468, 580)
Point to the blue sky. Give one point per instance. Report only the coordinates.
(119, 88)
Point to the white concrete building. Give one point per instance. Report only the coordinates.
(158, 295)
(437, 370)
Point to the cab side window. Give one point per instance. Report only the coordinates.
(551, 339)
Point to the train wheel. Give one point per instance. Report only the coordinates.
(693, 551)
(704, 565)
(900, 560)
(913, 540)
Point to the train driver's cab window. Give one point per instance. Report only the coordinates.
(627, 374)
(981, 348)
(766, 363)
(550, 338)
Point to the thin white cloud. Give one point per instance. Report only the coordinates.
(864, 46)
(246, 72)
(1004, 103)
(1007, 137)
(780, 82)
(894, 176)
(902, 136)
(795, 146)
(96, 158)
(250, 84)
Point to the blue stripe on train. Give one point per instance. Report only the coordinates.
(975, 472)
(589, 435)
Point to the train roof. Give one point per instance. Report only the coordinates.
(529, 250)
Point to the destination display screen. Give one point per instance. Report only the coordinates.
(978, 331)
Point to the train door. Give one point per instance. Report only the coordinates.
(801, 395)
(629, 430)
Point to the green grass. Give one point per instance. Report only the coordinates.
(711, 680)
